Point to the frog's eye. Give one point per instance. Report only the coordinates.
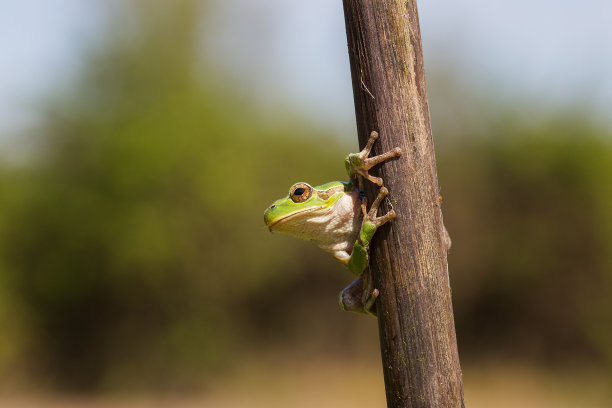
(300, 192)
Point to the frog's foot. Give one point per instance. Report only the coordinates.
(371, 216)
(354, 298)
(350, 299)
(360, 163)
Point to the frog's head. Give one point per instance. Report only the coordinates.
(291, 214)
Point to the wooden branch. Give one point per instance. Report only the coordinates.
(409, 265)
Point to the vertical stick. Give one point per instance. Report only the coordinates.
(409, 265)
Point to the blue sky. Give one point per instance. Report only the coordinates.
(557, 53)
(40, 44)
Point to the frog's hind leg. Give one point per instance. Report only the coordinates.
(350, 299)
(360, 296)
(353, 298)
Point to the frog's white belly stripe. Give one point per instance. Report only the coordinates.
(337, 228)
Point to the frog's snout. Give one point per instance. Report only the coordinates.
(268, 215)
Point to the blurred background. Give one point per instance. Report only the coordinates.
(140, 142)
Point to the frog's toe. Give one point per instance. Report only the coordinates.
(366, 150)
(378, 221)
(382, 193)
(369, 302)
(371, 215)
(376, 180)
(373, 161)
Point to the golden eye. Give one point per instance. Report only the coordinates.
(300, 192)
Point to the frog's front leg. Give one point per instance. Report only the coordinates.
(359, 164)
(359, 260)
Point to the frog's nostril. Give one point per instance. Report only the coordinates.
(272, 206)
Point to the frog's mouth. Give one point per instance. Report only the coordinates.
(292, 216)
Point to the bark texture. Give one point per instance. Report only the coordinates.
(409, 264)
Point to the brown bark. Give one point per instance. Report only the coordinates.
(409, 265)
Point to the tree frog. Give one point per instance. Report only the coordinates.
(335, 217)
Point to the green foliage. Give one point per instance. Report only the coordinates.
(529, 213)
(140, 227)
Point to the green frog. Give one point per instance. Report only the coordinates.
(335, 217)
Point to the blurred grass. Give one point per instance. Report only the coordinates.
(278, 381)
(133, 256)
